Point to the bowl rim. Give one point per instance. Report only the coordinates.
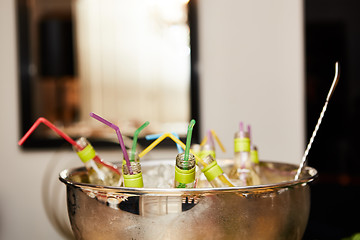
(308, 175)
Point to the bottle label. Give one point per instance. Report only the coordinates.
(133, 181)
(242, 145)
(254, 156)
(184, 176)
(212, 171)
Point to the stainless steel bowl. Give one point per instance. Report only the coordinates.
(277, 209)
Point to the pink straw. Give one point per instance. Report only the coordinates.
(241, 126)
(63, 135)
(118, 133)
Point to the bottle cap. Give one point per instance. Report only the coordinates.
(254, 156)
(87, 153)
(207, 150)
(205, 153)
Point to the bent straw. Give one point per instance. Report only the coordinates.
(118, 133)
(188, 140)
(218, 140)
(136, 134)
(50, 125)
(331, 91)
(213, 133)
(176, 140)
(155, 136)
(66, 137)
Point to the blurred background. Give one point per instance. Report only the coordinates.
(267, 63)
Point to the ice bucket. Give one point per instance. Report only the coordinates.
(277, 209)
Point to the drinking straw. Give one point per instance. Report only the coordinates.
(241, 126)
(213, 133)
(65, 136)
(136, 134)
(249, 134)
(165, 135)
(211, 140)
(188, 140)
(331, 91)
(155, 136)
(176, 140)
(50, 125)
(218, 140)
(118, 133)
(203, 142)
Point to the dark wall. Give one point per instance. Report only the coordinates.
(332, 30)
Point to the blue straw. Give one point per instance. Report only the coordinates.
(156, 136)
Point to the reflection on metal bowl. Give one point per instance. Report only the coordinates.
(277, 209)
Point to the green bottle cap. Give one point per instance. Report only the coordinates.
(87, 153)
(204, 153)
(254, 156)
(212, 171)
(133, 181)
(184, 176)
(242, 144)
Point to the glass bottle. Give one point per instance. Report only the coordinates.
(242, 173)
(206, 150)
(98, 174)
(185, 171)
(213, 173)
(134, 180)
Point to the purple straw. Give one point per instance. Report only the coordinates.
(118, 133)
(241, 126)
(211, 140)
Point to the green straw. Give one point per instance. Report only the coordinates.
(188, 140)
(136, 134)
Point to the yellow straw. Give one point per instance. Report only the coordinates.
(226, 181)
(176, 140)
(218, 140)
(203, 141)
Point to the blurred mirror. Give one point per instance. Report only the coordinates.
(129, 61)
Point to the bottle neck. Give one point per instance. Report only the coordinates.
(185, 171)
(135, 167)
(87, 152)
(207, 150)
(184, 164)
(212, 170)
